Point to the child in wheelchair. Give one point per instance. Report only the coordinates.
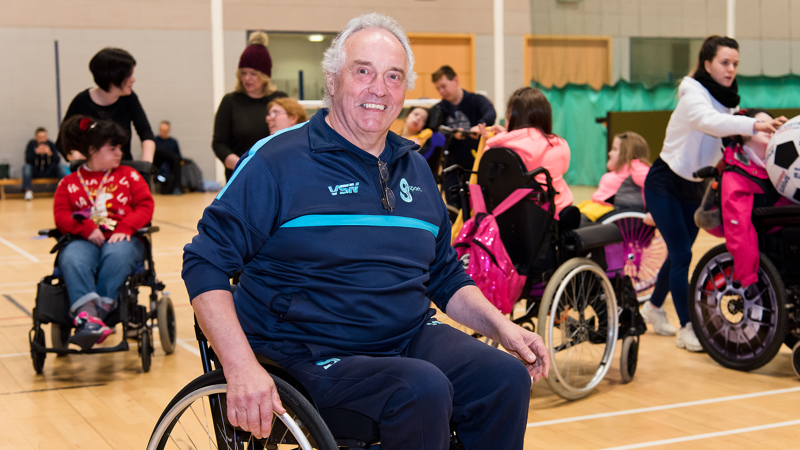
(728, 204)
(98, 208)
(530, 135)
(622, 186)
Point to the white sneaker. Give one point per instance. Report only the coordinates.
(657, 317)
(28, 196)
(688, 340)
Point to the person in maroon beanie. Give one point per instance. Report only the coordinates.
(239, 122)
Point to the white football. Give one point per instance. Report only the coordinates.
(783, 161)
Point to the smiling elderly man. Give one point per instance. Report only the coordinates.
(342, 241)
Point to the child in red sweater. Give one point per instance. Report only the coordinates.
(103, 204)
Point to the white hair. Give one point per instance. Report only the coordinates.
(335, 57)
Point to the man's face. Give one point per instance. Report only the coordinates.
(41, 137)
(448, 89)
(163, 131)
(368, 94)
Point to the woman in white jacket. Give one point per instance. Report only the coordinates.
(706, 101)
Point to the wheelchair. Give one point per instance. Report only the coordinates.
(743, 331)
(197, 415)
(568, 294)
(52, 305)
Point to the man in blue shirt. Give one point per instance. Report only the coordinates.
(342, 242)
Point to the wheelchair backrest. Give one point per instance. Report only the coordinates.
(525, 227)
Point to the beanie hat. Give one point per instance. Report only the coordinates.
(256, 56)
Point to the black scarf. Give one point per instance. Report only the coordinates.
(728, 96)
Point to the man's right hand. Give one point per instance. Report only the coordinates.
(252, 397)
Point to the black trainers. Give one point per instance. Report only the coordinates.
(89, 331)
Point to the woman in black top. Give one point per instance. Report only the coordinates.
(114, 99)
(239, 122)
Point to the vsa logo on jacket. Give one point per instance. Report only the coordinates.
(351, 188)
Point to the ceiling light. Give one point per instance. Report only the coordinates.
(316, 37)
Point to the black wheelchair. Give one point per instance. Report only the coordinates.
(743, 329)
(568, 295)
(52, 305)
(197, 416)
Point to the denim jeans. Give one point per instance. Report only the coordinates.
(81, 263)
(29, 172)
(674, 218)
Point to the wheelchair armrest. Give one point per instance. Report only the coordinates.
(147, 230)
(50, 232)
(776, 215)
(584, 240)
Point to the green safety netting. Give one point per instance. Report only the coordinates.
(576, 108)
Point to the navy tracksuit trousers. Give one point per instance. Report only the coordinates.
(444, 374)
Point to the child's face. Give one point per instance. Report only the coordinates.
(107, 157)
(613, 155)
(758, 142)
(416, 120)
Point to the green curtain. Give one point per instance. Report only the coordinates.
(576, 108)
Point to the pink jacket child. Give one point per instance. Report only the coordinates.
(744, 185)
(626, 185)
(537, 150)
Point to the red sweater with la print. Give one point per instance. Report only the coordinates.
(125, 203)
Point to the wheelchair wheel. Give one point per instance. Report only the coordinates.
(796, 359)
(145, 350)
(59, 337)
(737, 332)
(198, 415)
(37, 356)
(643, 249)
(628, 358)
(165, 318)
(578, 320)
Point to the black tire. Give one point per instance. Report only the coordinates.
(577, 319)
(37, 356)
(167, 328)
(59, 337)
(211, 388)
(145, 350)
(629, 358)
(796, 359)
(721, 312)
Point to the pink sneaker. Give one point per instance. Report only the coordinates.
(89, 331)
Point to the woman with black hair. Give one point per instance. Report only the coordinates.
(113, 98)
(707, 100)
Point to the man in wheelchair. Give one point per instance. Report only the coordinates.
(342, 241)
(97, 208)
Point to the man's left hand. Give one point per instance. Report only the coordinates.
(529, 348)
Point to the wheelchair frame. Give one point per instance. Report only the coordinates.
(137, 321)
(566, 274)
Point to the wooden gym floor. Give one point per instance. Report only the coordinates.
(676, 400)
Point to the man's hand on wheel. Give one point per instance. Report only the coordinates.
(252, 397)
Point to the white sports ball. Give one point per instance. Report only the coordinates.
(783, 160)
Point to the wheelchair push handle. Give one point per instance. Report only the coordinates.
(706, 172)
(541, 170)
(447, 131)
